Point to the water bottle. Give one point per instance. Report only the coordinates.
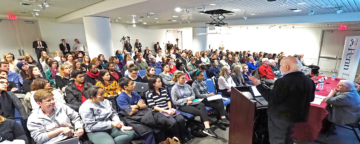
(322, 80)
(333, 77)
(321, 86)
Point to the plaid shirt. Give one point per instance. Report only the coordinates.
(200, 89)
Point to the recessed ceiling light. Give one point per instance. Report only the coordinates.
(144, 23)
(157, 22)
(156, 18)
(174, 20)
(236, 10)
(36, 9)
(175, 16)
(212, 4)
(252, 14)
(134, 25)
(178, 9)
(297, 10)
(302, 3)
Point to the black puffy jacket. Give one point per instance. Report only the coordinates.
(74, 95)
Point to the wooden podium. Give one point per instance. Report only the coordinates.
(242, 114)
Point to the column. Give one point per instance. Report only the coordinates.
(98, 36)
(199, 41)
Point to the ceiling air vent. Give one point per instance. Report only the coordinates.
(25, 3)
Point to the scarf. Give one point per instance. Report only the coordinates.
(53, 72)
(91, 75)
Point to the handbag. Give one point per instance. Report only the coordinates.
(173, 140)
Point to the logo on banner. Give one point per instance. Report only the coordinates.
(350, 51)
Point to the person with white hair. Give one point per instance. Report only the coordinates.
(288, 101)
(252, 64)
(265, 71)
(275, 69)
(343, 103)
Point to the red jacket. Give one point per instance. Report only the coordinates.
(266, 72)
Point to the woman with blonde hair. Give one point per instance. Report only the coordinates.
(12, 131)
(96, 61)
(198, 59)
(225, 81)
(235, 61)
(77, 66)
(237, 76)
(86, 61)
(63, 77)
(44, 54)
(58, 56)
(9, 57)
(246, 74)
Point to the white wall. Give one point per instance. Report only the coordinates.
(291, 41)
(199, 41)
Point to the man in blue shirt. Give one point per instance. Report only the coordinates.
(252, 64)
(153, 63)
(214, 70)
(132, 106)
(11, 75)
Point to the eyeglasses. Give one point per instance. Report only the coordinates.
(49, 100)
(5, 83)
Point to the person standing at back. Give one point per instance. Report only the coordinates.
(64, 47)
(39, 46)
(79, 47)
(289, 100)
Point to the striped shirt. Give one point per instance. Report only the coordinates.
(154, 99)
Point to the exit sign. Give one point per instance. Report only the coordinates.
(11, 16)
(343, 27)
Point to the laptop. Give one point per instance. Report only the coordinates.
(74, 140)
(257, 96)
(141, 87)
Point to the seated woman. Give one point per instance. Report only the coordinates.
(223, 62)
(42, 83)
(204, 59)
(171, 65)
(9, 102)
(52, 123)
(237, 76)
(114, 75)
(43, 54)
(10, 58)
(344, 104)
(246, 74)
(201, 91)
(45, 64)
(110, 87)
(57, 56)
(102, 122)
(166, 77)
(86, 61)
(159, 100)
(63, 77)
(69, 59)
(51, 72)
(150, 71)
(235, 61)
(34, 73)
(77, 66)
(225, 81)
(102, 61)
(12, 131)
(182, 96)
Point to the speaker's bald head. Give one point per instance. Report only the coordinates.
(290, 64)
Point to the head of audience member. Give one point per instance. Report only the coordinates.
(22, 66)
(150, 52)
(79, 55)
(40, 83)
(114, 59)
(183, 55)
(217, 53)
(199, 75)
(150, 71)
(238, 70)
(179, 78)
(29, 59)
(166, 52)
(126, 42)
(133, 72)
(214, 57)
(229, 56)
(358, 79)
(3, 73)
(21, 59)
(38, 39)
(64, 71)
(215, 63)
(86, 59)
(265, 61)
(169, 61)
(63, 59)
(76, 65)
(4, 66)
(136, 51)
(345, 86)
(118, 52)
(48, 60)
(110, 66)
(78, 77)
(153, 60)
(159, 53)
(140, 57)
(95, 61)
(251, 59)
(203, 67)
(69, 57)
(44, 54)
(180, 66)
(272, 62)
(26, 54)
(197, 55)
(101, 57)
(223, 57)
(3, 84)
(57, 54)
(155, 83)
(204, 55)
(73, 54)
(54, 64)
(165, 68)
(45, 99)
(235, 59)
(193, 60)
(9, 57)
(157, 43)
(63, 41)
(104, 76)
(93, 68)
(96, 94)
(127, 84)
(77, 41)
(225, 71)
(34, 72)
(290, 64)
(245, 68)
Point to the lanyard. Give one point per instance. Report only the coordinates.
(203, 86)
(182, 95)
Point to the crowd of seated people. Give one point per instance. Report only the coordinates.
(94, 98)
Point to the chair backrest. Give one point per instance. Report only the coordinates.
(169, 93)
(210, 86)
(205, 75)
(255, 73)
(158, 71)
(190, 72)
(215, 80)
(142, 73)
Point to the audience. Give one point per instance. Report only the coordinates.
(52, 123)
(92, 74)
(45, 64)
(165, 76)
(62, 78)
(225, 81)
(150, 71)
(183, 95)
(214, 70)
(141, 63)
(9, 102)
(265, 72)
(191, 66)
(52, 71)
(102, 61)
(86, 61)
(171, 65)
(11, 87)
(252, 64)
(34, 73)
(275, 68)
(102, 123)
(110, 87)
(11, 131)
(237, 76)
(114, 75)
(9, 57)
(69, 59)
(235, 61)
(76, 90)
(155, 64)
(77, 66)
(133, 74)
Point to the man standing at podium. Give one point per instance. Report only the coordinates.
(288, 102)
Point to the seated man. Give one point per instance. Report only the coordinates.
(76, 90)
(265, 72)
(141, 63)
(275, 69)
(11, 86)
(9, 102)
(191, 65)
(133, 74)
(252, 64)
(53, 123)
(214, 70)
(134, 110)
(11, 75)
(155, 64)
(92, 74)
(344, 104)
